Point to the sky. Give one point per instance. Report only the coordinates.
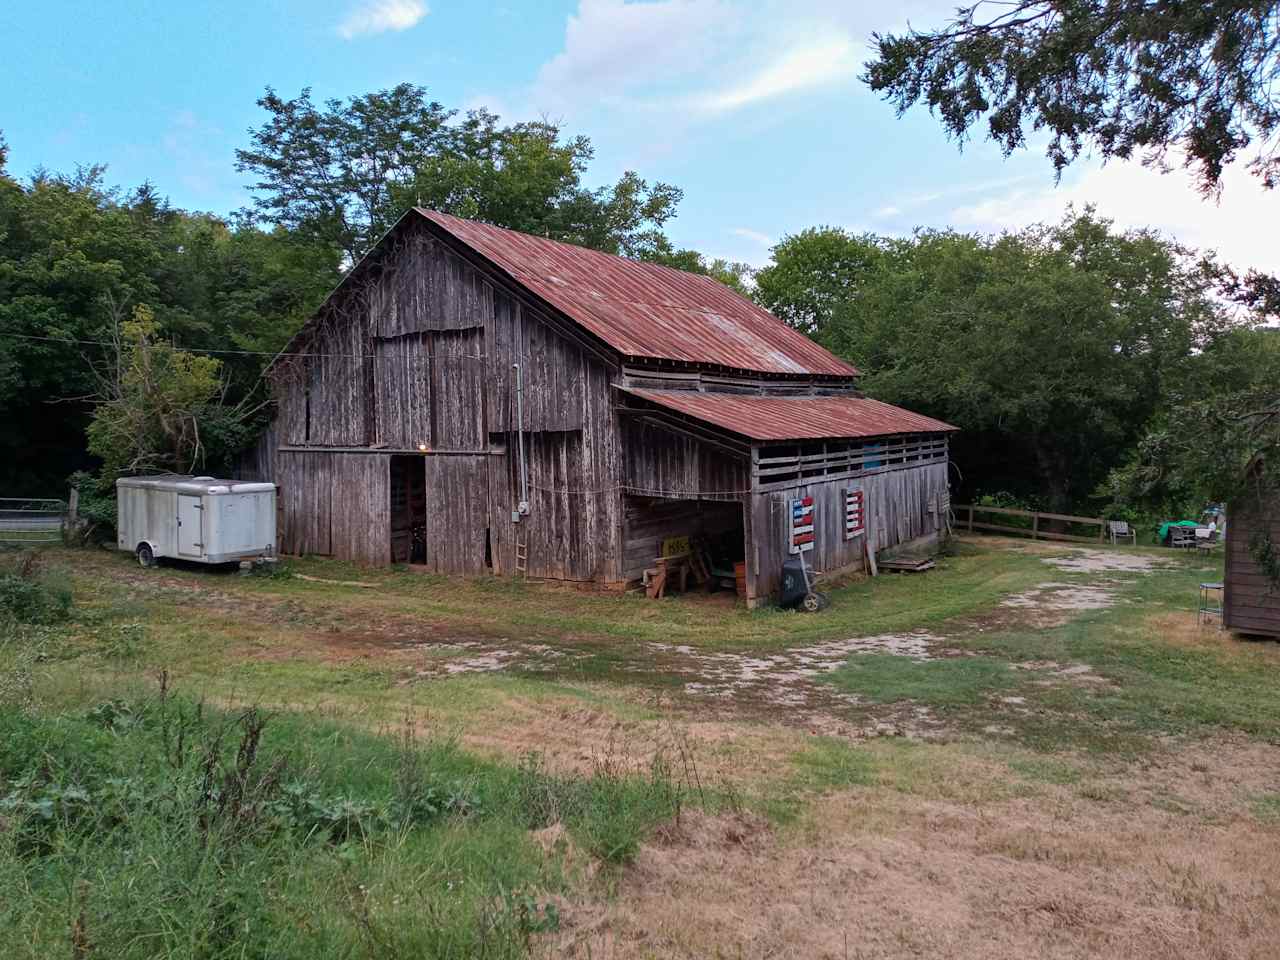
(754, 109)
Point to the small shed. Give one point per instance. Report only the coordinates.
(1251, 598)
(477, 400)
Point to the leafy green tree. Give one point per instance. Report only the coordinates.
(76, 255)
(158, 407)
(815, 275)
(1219, 435)
(1050, 348)
(344, 171)
(1121, 77)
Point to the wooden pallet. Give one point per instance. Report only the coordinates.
(908, 564)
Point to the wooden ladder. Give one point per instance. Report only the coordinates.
(522, 555)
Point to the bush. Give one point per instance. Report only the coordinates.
(96, 508)
(212, 836)
(28, 595)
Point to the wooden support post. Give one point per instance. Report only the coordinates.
(1035, 526)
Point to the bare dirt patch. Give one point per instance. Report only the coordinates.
(1100, 561)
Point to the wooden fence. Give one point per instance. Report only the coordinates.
(964, 519)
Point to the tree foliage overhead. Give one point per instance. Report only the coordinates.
(1127, 77)
(1051, 348)
(343, 172)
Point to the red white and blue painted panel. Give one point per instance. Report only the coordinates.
(855, 513)
(801, 524)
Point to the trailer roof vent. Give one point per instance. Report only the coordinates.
(203, 479)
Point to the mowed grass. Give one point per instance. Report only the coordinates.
(969, 581)
(1112, 680)
(135, 827)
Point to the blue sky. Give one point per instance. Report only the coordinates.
(754, 109)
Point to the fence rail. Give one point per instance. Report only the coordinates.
(964, 518)
(31, 521)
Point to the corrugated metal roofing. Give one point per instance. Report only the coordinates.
(644, 310)
(794, 418)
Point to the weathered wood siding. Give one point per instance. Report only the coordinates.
(898, 504)
(1251, 602)
(661, 463)
(648, 522)
(422, 353)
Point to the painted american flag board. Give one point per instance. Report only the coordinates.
(801, 524)
(855, 513)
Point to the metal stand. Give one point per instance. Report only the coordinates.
(1210, 604)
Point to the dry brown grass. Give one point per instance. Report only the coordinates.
(1055, 875)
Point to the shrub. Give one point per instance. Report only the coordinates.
(28, 595)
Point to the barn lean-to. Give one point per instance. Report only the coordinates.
(514, 404)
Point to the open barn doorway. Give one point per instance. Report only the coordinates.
(408, 489)
(697, 545)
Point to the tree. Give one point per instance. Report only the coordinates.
(75, 255)
(815, 275)
(1050, 348)
(158, 407)
(343, 172)
(1219, 436)
(1123, 77)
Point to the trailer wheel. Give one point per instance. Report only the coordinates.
(146, 557)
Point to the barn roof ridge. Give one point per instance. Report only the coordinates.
(646, 310)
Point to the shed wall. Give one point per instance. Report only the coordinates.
(1251, 603)
(899, 508)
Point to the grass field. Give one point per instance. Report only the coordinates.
(1031, 750)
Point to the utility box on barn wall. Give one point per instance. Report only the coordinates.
(202, 519)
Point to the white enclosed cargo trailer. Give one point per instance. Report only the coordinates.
(195, 518)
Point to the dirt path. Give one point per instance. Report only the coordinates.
(786, 685)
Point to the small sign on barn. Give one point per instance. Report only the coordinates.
(801, 524)
(855, 514)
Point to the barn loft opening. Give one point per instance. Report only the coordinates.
(661, 527)
(408, 514)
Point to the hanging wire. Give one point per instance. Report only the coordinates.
(243, 353)
(638, 491)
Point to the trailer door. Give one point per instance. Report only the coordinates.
(190, 527)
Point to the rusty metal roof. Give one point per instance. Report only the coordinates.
(794, 418)
(647, 311)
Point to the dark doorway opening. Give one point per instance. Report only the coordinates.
(659, 527)
(408, 509)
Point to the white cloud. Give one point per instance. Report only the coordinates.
(1240, 226)
(612, 47)
(379, 16)
(753, 235)
(690, 59)
(816, 62)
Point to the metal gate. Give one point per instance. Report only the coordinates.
(31, 521)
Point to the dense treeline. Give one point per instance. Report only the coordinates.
(1088, 367)
(123, 272)
(1062, 351)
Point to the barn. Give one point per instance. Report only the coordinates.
(480, 400)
